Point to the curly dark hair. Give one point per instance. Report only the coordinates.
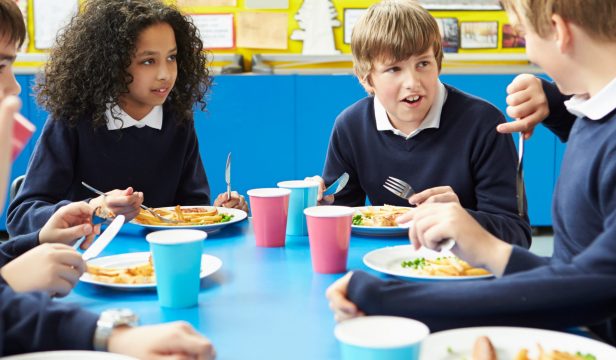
(88, 66)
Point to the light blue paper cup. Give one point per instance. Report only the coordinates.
(177, 265)
(381, 338)
(303, 195)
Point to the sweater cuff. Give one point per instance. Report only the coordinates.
(523, 260)
(78, 328)
(26, 242)
(363, 291)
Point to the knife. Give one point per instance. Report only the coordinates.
(337, 185)
(228, 176)
(104, 239)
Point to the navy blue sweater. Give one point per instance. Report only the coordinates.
(574, 287)
(16, 246)
(164, 164)
(465, 152)
(33, 322)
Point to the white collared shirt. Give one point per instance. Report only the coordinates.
(153, 119)
(431, 121)
(596, 107)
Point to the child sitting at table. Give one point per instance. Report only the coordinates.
(437, 138)
(120, 86)
(574, 41)
(32, 321)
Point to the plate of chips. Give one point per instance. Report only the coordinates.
(206, 218)
(134, 270)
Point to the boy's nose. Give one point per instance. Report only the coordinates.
(11, 87)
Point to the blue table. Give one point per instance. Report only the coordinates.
(264, 303)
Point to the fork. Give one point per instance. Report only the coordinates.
(163, 219)
(519, 179)
(399, 187)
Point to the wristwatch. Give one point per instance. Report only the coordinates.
(109, 320)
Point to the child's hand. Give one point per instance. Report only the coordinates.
(327, 200)
(435, 223)
(527, 104)
(68, 224)
(336, 293)
(439, 194)
(53, 268)
(236, 201)
(120, 202)
(177, 340)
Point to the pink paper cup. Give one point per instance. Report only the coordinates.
(329, 232)
(270, 207)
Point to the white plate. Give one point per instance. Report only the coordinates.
(209, 265)
(70, 355)
(388, 259)
(458, 343)
(377, 230)
(238, 215)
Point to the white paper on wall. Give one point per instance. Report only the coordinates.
(49, 18)
(350, 18)
(267, 4)
(216, 30)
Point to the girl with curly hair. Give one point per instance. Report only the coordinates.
(120, 86)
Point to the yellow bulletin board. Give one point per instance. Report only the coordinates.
(238, 9)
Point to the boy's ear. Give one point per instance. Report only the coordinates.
(562, 32)
(365, 82)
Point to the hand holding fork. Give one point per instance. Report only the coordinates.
(404, 190)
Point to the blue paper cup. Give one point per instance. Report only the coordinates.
(177, 265)
(381, 337)
(303, 195)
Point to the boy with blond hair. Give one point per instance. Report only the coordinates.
(439, 139)
(574, 41)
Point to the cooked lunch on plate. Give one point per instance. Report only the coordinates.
(136, 274)
(379, 215)
(185, 216)
(442, 266)
(484, 350)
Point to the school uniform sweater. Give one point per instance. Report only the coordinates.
(465, 152)
(574, 287)
(16, 246)
(163, 164)
(32, 322)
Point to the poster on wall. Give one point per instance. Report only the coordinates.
(461, 4)
(350, 18)
(512, 38)
(49, 18)
(216, 30)
(479, 35)
(262, 30)
(186, 3)
(266, 4)
(448, 27)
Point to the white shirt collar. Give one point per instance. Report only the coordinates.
(431, 121)
(596, 107)
(153, 119)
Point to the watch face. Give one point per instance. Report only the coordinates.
(117, 317)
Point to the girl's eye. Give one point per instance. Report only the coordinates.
(172, 57)
(148, 62)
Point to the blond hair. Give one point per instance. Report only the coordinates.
(594, 16)
(393, 30)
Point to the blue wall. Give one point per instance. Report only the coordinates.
(278, 127)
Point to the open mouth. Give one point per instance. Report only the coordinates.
(412, 99)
